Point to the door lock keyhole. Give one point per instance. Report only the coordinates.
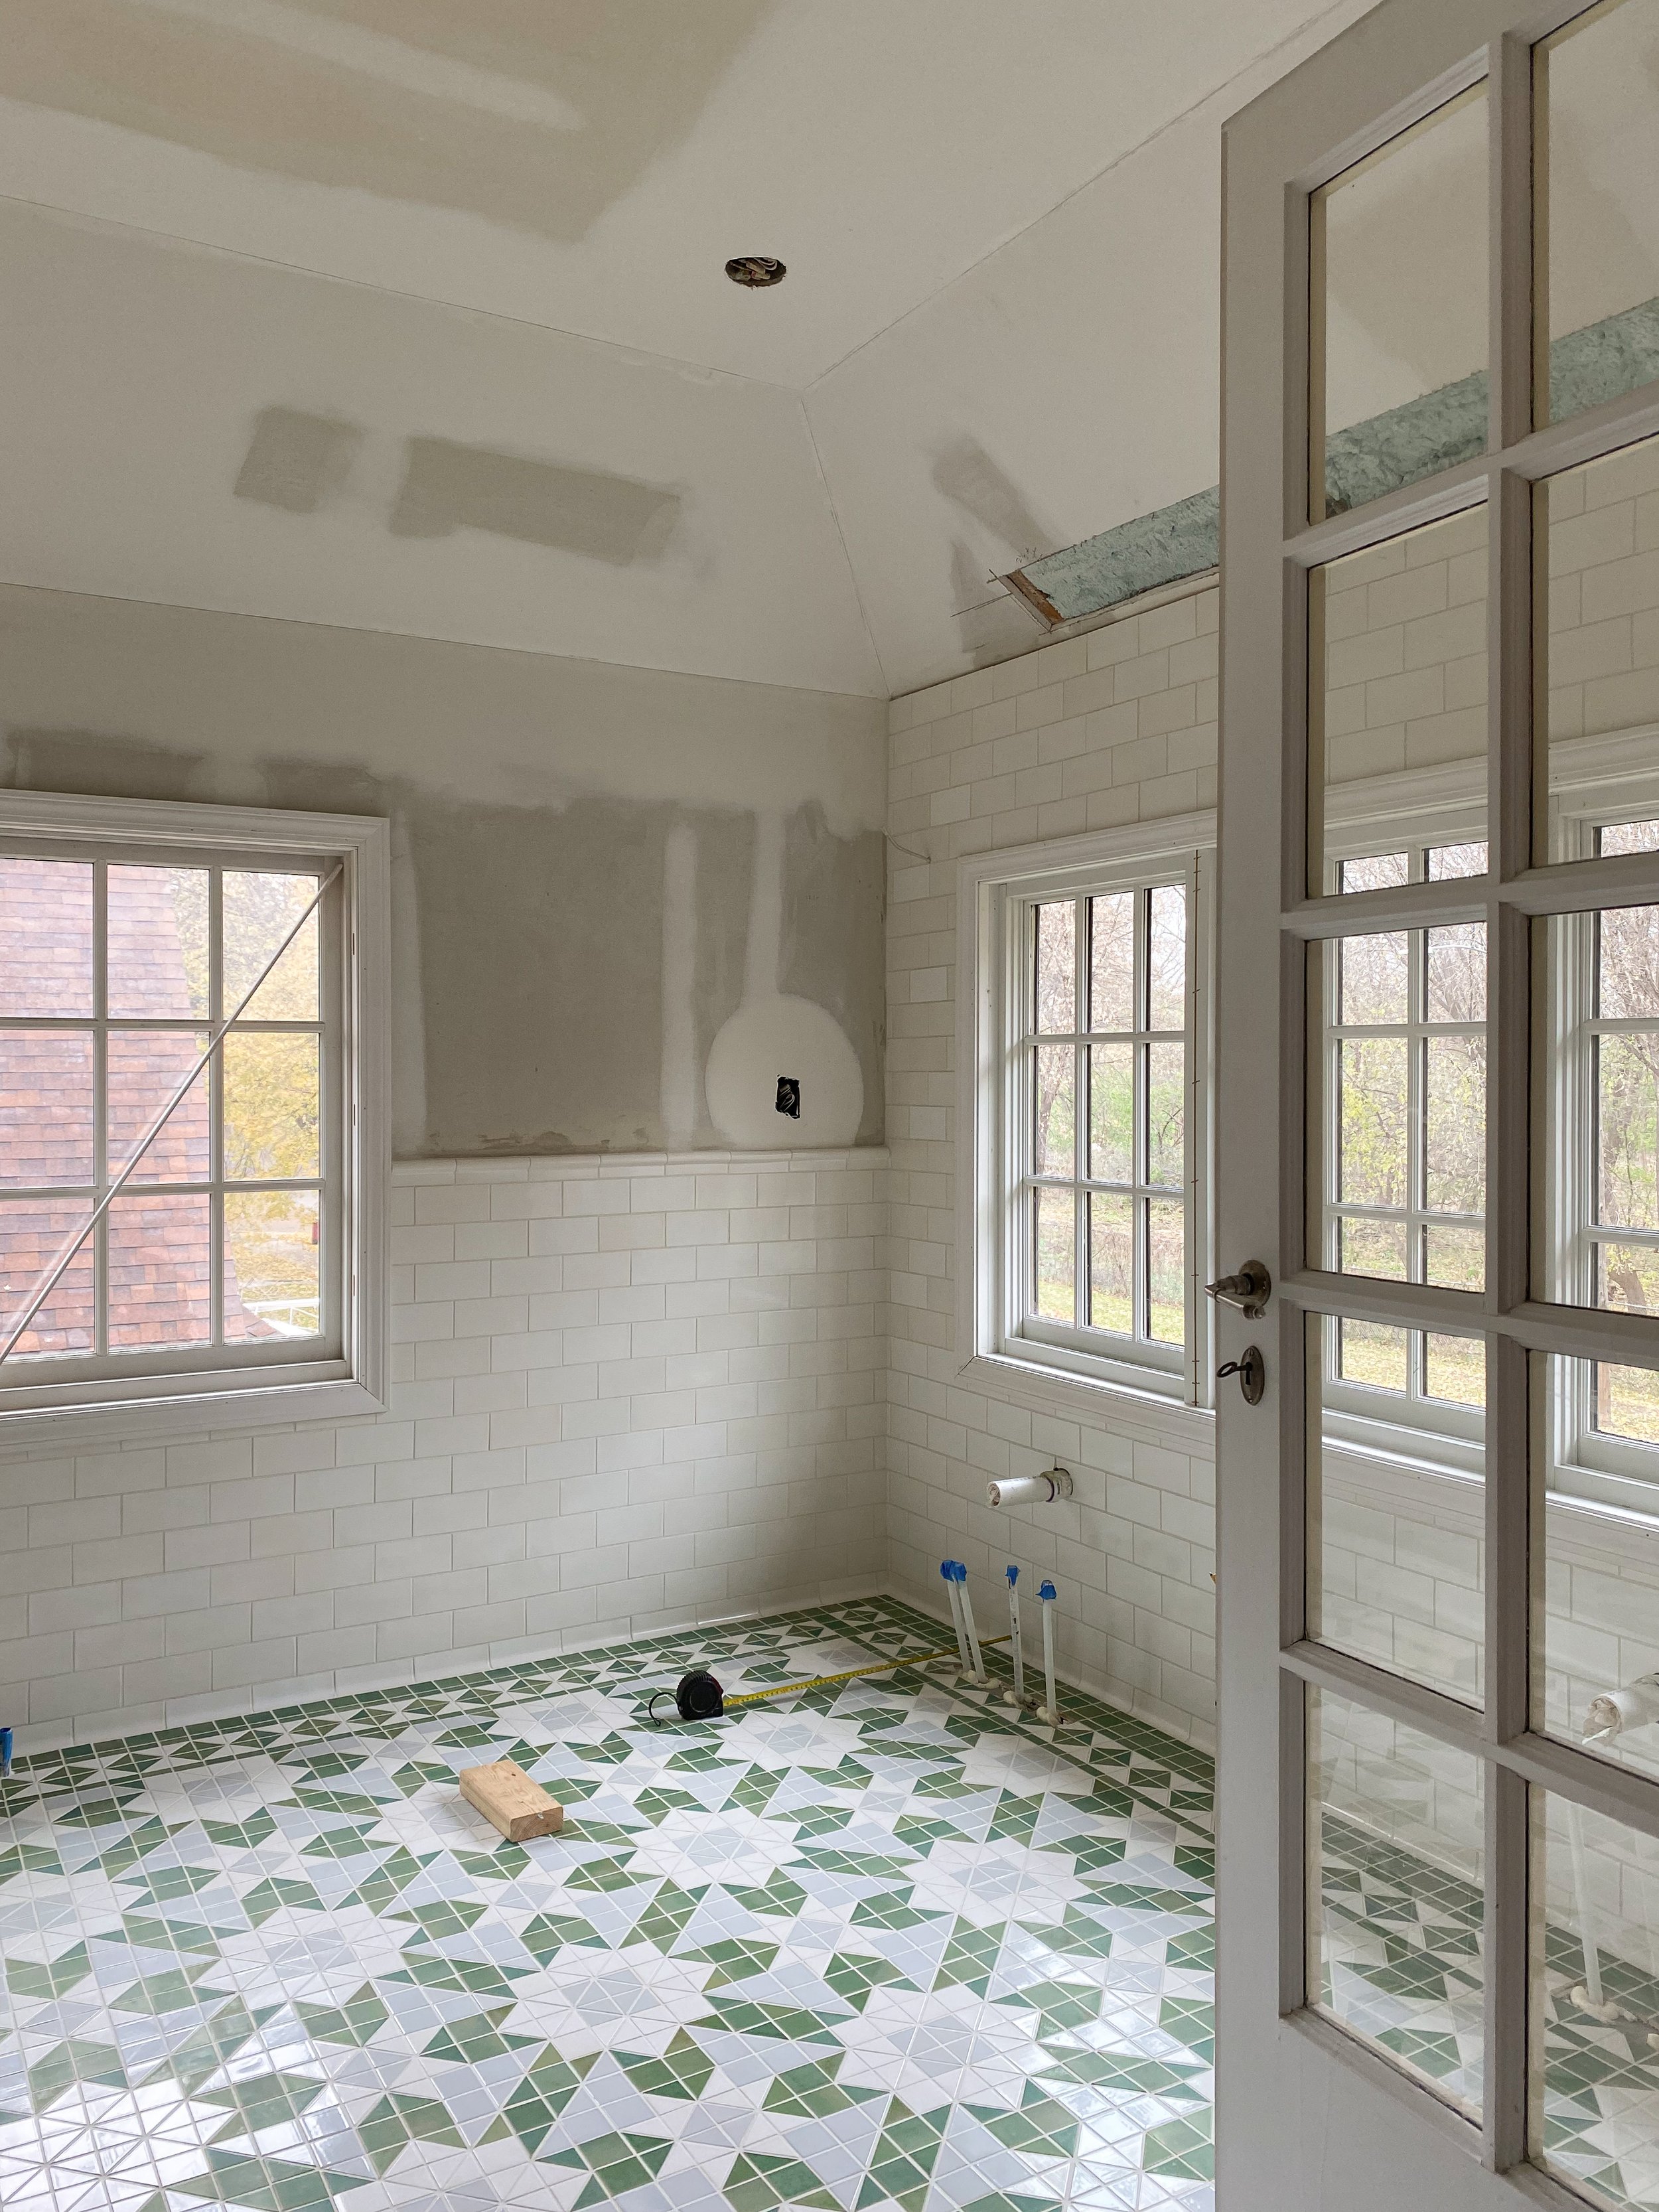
(1252, 1372)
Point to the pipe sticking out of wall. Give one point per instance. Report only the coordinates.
(1050, 1711)
(1029, 1489)
(1016, 1695)
(948, 1571)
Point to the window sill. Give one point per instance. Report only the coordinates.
(33, 1429)
(1110, 1406)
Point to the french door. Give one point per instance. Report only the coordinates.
(1438, 1117)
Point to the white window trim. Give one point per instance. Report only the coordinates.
(985, 1358)
(226, 1397)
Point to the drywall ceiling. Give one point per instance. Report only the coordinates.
(586, 166)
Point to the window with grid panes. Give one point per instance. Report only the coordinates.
(184, 1152)
(1104, 1109)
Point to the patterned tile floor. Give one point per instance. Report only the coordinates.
(1403, 1949)
(876, 1944)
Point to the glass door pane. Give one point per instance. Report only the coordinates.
(1395, 1852)
(1398, 311)
(1597, 161)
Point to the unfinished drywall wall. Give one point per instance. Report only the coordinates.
(545, 812)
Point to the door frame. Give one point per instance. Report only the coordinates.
(1306, 2116)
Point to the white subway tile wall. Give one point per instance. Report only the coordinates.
(1118, 726)
(629, 1394)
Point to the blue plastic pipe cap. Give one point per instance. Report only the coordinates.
(1013, 1574)
(1047, 1589)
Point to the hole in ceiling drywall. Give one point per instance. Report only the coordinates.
(758, 271)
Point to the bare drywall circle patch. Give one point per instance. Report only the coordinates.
(793, 1038)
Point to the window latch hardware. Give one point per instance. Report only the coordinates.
(1249, 1290)
(1252, 1373)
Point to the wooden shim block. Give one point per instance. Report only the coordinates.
(510, 1801)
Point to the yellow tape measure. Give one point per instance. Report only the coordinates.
(699, 1697)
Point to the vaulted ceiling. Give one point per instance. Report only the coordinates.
(411, 313)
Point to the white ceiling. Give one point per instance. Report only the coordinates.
(999, 217)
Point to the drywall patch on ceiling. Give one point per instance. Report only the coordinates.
(448, 487)
(539, 118)
(296, 461)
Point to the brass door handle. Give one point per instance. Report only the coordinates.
(1249, 1290)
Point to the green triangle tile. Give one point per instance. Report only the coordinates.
(350, 1841)
(549, 1932)
(780, 1894)
(28, 1859)
(699, 1758)
(206, 2049)
(433, 1970)
(736, 1959)
(160, 1994)
(388, 1881)
(852, 1976)
(278, 1893)
(1121, 2069)
(261, 2100)
(358, 2020)
(948, 1785)
(902, 2164)
(67, 2064)
(443, 1916)
(1079, 1935)
(470, 2042)
(891, 1909)
(603, 1874)
(240, 1835)
(160, 1885)
(817, 1819)
(1060, 2004)
(619, 2162)
(415, 1773)
(328, 1764)
(1180, 2147)
(663, 1921)
(997, 2201)
(505, 1863)
(684, 2070)
(266, 2185)
(471, 1735)
(1015, 1818)
(760, 2182)
(1040, 2127)
(1437, 2055)
(353, 1803)
(585, 1831)
(27, 1979)
(145, 1934)
(739, 2015)
(756, 1791)
(655, 1805)
(813, 2091)
(1191, 2021)
(97, 1812)
(1089, 1852)
(868, 1865)
(1114, 1803)
(1194, 1950)
(397, 2121)
(1191, 1858)
(970, 1956)
(614, 1751)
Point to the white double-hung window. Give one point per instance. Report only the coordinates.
(193, 1127)
(1084, 1023)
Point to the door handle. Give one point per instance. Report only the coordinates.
(1249, 1290)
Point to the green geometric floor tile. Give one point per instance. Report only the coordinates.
(1182, 2147)
(537, 2103)
(813, 2091)
(684, 2070)
(759, 2183)
(313, 1962)
(905, 2155)
(397, 2121)
(267, 2184)
(618, 2162)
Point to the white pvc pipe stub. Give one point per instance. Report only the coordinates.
(1029, 1489)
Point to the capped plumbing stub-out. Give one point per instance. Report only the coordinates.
(1029, 1489)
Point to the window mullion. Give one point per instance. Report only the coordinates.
(214, 1074)
(101, 1102)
